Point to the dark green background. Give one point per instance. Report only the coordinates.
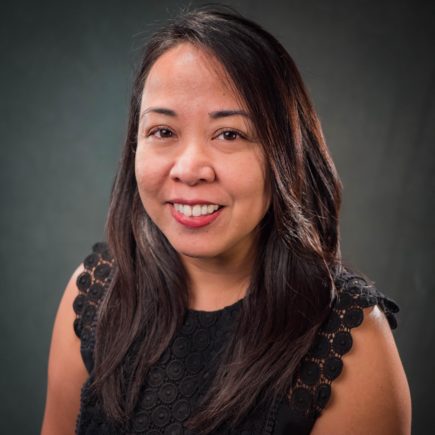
(66, 69)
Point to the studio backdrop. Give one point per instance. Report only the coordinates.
(66, 71)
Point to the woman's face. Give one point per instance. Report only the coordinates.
(199, 169)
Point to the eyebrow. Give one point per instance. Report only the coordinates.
(161, 110)
(213, 115)
(225, 113)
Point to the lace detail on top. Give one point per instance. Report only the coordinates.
(92, 284)
(311, 390)
(176, 383)
(181, 377)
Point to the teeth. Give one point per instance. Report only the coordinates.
(196, 210)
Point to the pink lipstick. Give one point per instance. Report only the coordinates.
(194, 221)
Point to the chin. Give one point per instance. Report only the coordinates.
(197, 253)
(202, 251)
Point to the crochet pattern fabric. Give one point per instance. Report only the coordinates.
(181, 377)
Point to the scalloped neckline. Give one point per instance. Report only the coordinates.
(230, 307)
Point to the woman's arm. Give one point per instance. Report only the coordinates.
(66, 370)
(372, 395)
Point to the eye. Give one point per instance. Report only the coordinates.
(231, 135)
(161, 133)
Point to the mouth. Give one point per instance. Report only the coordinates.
(196, 210)
(195, 215)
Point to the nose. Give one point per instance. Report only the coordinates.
(192, 165)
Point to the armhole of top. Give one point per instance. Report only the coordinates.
(92, 284)
(311, 388)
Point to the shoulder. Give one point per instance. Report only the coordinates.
(360, 386)
(371, 395)
(70, 360)
(66, 369)
(65, 346)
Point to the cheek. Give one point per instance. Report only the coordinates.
(251, 177)
(149, 174)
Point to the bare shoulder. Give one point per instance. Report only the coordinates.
(66, 370)
(372, 393)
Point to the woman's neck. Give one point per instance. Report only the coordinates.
(217, 282)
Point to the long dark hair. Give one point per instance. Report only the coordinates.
(298, 255)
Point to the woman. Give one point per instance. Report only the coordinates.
(220, 303)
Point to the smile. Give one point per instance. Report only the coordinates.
(196, 209)
(195, 215)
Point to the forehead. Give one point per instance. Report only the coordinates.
(190, 73)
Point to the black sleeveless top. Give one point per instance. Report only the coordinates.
(180, 378)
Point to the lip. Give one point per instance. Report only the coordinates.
(194, 221)
(191, 201)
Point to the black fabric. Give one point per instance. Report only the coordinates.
(181, 377)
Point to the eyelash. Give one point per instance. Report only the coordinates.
(238, 133)
(160, 129)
